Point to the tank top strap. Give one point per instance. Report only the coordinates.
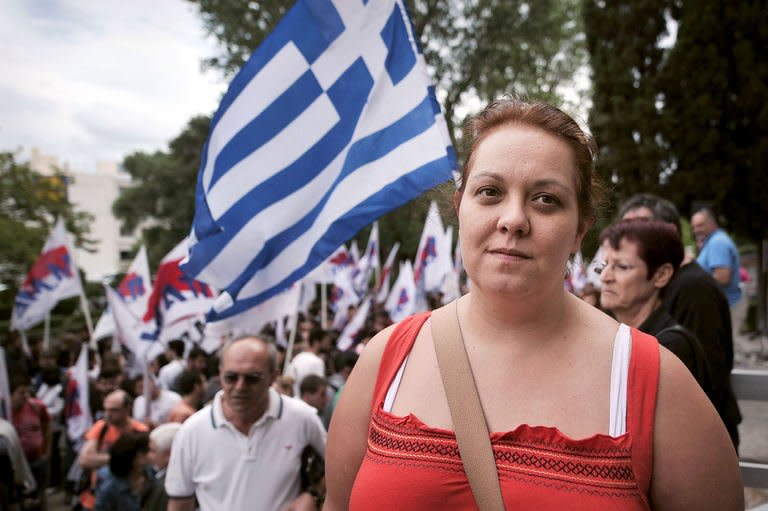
(641, 404)
(398, 346)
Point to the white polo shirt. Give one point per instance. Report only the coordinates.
(225, 469)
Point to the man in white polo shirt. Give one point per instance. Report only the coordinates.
(244, 450)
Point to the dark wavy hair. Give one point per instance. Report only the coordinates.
(658, 242)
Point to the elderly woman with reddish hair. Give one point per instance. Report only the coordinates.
(641, 256)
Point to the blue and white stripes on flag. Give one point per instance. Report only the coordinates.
(330, 124)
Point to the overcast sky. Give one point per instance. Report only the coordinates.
(89, 80)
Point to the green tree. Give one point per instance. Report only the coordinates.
(625, 56)
(30, 203)
(161, 198)
(715, 85)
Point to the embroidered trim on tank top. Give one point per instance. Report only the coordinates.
(622, 349)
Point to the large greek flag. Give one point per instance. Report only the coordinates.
(331, 123)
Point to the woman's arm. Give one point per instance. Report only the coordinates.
(694, 463)
(348, 434)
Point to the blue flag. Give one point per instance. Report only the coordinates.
(330, 124)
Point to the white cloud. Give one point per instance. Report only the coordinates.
(89, 80)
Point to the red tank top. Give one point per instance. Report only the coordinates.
(411, 466)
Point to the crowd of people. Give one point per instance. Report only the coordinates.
(241, 429)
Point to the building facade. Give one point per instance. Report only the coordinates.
(94, 193)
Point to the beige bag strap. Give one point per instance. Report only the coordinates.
(466, 410)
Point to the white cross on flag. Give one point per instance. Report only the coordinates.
(330, 124)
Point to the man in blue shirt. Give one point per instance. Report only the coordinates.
(719, 257)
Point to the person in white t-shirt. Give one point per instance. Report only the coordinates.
(163, 401)
(170, 371)
(309, 361)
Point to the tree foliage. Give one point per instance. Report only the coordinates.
(715, 87)
(623, 42)
(162, 195)
(687, 121)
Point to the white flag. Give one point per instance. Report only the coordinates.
(368, 262)
(253, 320)
(429, 267)
(135, 289)
(53, 277)
(77, 409)
(176, 297)
(343, 295)
(402, 299)
(383, 285)
(348, 336)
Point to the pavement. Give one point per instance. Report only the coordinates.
(751, 352)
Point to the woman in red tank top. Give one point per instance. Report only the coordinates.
(584, 413)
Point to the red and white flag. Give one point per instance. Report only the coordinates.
(370, 261)
(402, 299)
(343, 294)
(177, 301)
(382, 289)
(349, 336)
(430, 265)
(77, 409)
(134, 289)
(53, 277)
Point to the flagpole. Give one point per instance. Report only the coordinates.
(323, 306)
(25, 343)
(83, 300)
(47, 331)
(291, 340)
(87, 314)
(147, 393)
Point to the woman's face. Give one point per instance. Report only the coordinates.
(518, 215)
(625, 284)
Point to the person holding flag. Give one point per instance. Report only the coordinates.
(585, 413)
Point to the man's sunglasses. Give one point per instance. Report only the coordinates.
(249, 378)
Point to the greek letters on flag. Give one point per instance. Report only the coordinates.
(134, 289)
(331, 123)
(177, 300)
(52, 277)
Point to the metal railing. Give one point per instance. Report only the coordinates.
(752, 384)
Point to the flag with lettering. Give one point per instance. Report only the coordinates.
(53, 277)
(330, 124)
(177, 300)
(134, 289)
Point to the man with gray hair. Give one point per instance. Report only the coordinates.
(696, 301)
(243, 451)
(160, 442)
